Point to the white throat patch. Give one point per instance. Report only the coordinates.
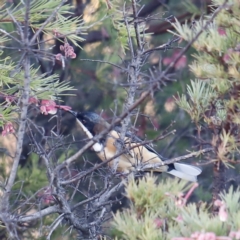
(97, 147)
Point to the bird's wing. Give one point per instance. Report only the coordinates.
(181, 170)
(134, 139)
(136, 154)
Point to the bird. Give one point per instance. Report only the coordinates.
(135, 154)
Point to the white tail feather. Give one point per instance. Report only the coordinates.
(183, 175)
(188, 169)
(185, 171)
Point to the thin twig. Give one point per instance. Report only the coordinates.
(39, 214)
(23, 116)
(54, 225)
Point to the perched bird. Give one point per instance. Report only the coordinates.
(93, 124)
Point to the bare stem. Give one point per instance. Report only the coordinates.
(133, 74)
(23, 116)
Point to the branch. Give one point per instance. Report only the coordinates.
(173, 160)
(54, 225)
(186, 17)
(133, 73)
(108, 194)
(37, 215)
(96, 196)
(23, 116)
(151, 6)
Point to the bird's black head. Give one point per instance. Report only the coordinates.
(92, 121)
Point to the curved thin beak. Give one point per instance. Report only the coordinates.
(73, 113)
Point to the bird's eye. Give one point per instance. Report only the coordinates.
(84, 121)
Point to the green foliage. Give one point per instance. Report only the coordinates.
(191, 7)
(142, 227)
(214, 95)
(150, 201)
(66, 27)
(149, 195)
(31, 176)
(158, 211)
(200, 96)
(41, 85)
(51, 15)
(232, 199)
(118, 13)
(5, 69)
(40, 10)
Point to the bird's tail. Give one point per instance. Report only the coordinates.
(184, 171)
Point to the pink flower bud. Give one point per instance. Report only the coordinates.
(48, 107)
(223, 215)
(237, 235)
(227, 56)
(179, 219)
(180, 202)
(57, 33)
(33, 100)
(201, 236)
(181, 238)
(59, 56)
(195, 235)
(65, 108)
(7, 128)
(68, 50)
(210, 236)
(181, 63)
(9, 99)
(222, 32)
(158, 222)
(232, 234)
(218, 203)
(46, 195)
(73, 55)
